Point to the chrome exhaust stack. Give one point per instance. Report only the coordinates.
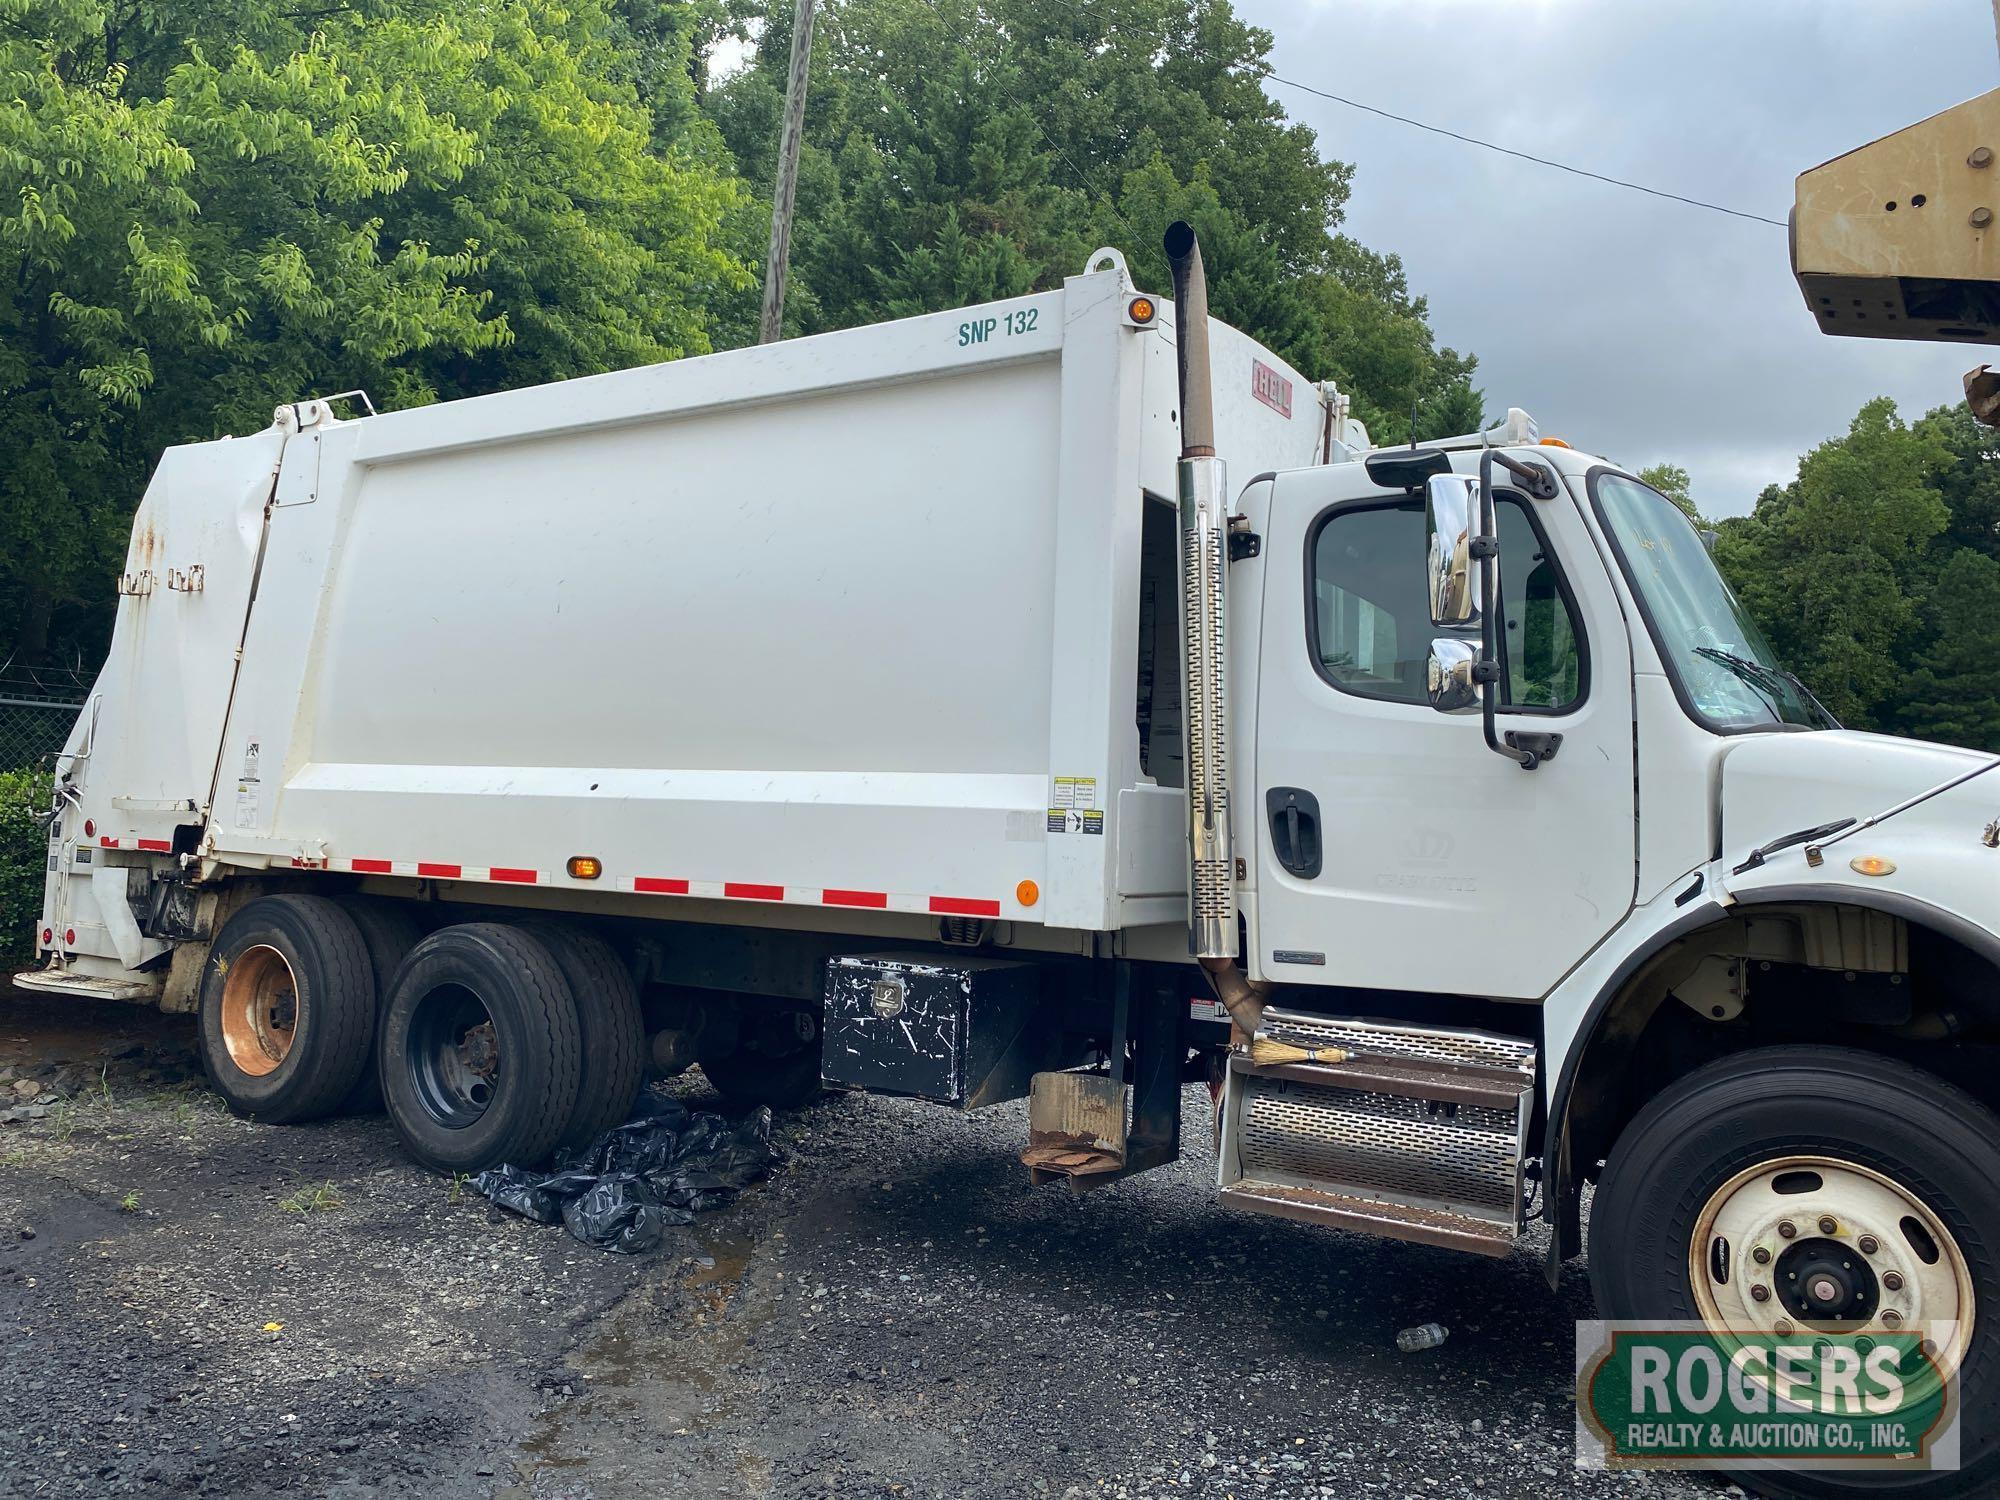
(1204, 568)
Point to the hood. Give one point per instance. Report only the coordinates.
(1775, 784)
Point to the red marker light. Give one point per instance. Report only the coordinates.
(69, 938)
(48, 936)
(89, 829)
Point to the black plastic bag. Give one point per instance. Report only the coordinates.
(658, 1169)
(621, 1213)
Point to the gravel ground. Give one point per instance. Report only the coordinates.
(194, 1304)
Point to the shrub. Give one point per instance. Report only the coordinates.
(24, 859)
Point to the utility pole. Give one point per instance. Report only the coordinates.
(770, 327)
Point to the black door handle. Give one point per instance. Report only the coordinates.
(1295, 839)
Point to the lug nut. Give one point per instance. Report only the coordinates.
(1891, 1318)
(1827, 1224)
(1782, 1328)
(1893, 1280)
(1760, 1294)
(1787, 1230)
(1869, 1244)
(1762, 1255)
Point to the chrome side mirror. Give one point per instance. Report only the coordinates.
(1455, 588)
(1452, 683)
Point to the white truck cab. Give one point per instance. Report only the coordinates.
(1058, 698)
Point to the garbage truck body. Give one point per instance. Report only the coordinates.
(814, 713)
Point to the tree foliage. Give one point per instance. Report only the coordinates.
(1876, 573)
(962, 150)
(209, 208)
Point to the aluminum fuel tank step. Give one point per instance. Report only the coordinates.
(1420, 1134)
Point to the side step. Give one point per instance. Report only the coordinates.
(1392, 1221)
(87, 986)
(1421, 1134)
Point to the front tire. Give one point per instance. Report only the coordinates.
(480, 1058)
(1805, 1137)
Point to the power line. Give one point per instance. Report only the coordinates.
(1543, 161)
(1263, 70)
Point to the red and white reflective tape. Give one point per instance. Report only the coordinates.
(151, 846)
(662, 885)
(430, 870)
(800, 895)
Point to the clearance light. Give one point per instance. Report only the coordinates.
(1871, 864)
(48, 937)
(1141, 310)
(1027, 893)
(89, 829)
(584, 867)
(1554, 443)
(69, 938)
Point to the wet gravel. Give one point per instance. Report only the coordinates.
(195, 1304)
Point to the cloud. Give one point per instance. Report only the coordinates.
(1638, 328)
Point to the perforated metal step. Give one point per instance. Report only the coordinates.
(1421, 1134)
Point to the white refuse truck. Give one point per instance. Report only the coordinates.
(926, 708)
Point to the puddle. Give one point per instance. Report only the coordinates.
(663, 1360)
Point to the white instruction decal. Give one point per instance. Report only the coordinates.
(1073, 805)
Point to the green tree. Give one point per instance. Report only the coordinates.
(208, 209)
(978, 148)
(1836, 565)
(1672, 481)
(1954, 694)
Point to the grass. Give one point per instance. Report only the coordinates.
(311, 1200)
(129, 1203)
(456, 1191)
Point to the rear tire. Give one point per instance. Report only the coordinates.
(287, 1008)
(611, 1033)
(480, 1058)
(1850, 1121)
(389, 931)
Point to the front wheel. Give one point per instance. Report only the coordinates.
(1793, 1188)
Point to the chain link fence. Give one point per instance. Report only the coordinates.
(36, 713)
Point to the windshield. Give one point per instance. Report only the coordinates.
(1727, 675)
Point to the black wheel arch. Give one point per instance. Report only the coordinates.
(1562, 1184)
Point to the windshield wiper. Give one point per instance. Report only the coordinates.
(1762, 677)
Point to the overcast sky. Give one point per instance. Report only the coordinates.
(1636, 328)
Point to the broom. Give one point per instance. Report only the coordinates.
(1264, 1051)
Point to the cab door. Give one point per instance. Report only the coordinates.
(1395, 850)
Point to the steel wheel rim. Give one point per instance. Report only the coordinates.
(1821, 1279)
(454, 1055)
(261, 1008)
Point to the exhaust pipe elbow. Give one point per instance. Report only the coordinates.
(1243, 999)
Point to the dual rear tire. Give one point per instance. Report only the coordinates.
(488, 1042)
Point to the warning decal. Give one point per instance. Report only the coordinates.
(1073, 805)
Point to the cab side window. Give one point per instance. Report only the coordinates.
(1370, 620)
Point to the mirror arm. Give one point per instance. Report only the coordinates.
(1486, 548)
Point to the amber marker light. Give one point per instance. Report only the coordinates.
(1554, 443)
(1027, 893)
(584, 867)
(1871, 864)
(1140, 310)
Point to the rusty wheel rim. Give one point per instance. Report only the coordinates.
(260, 1010)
